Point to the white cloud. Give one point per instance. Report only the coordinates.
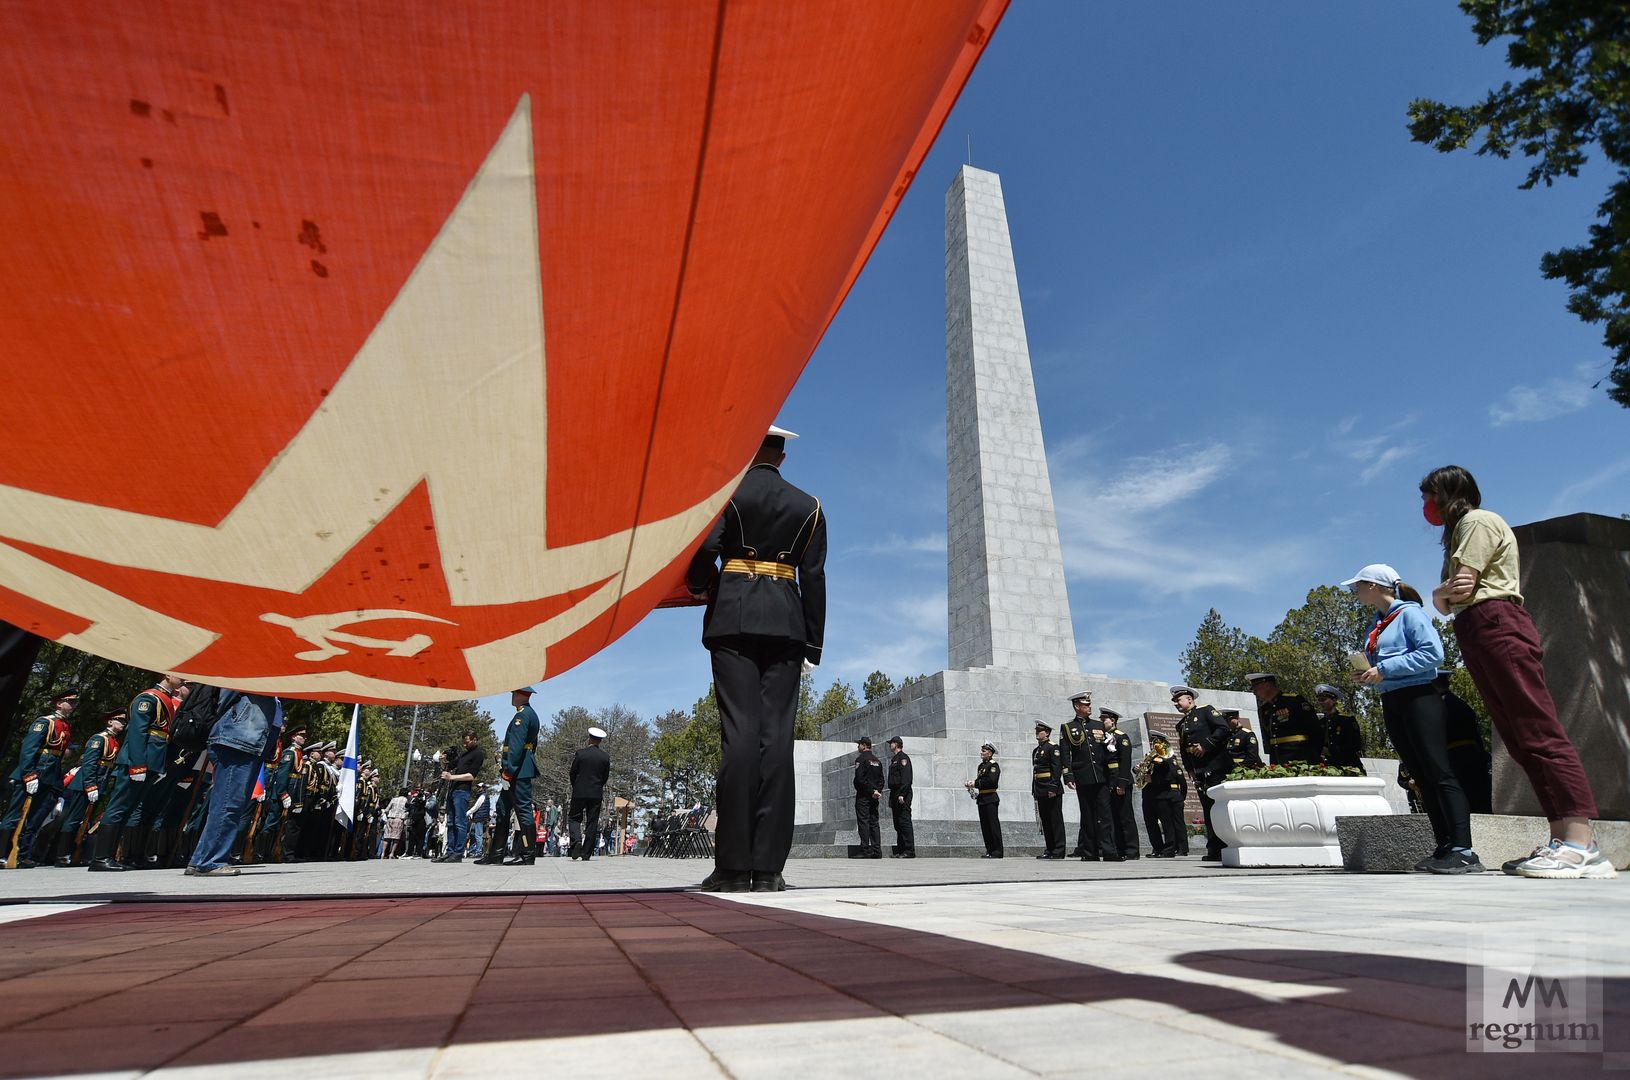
(894, 544)
(1568, 500)
(1377, 450)
(1558, 397)
(1137, 528)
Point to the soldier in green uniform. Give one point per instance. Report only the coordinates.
(89, 781)
(516, 768)
(279, 797)
(1047, 786)
(1202, 736)
(1291, 727)
(1118, 761)
(288, 847)
(36, 782)
(1343, 738)
(1243, 752)
(141, 759)
(984, 788)
(1081, 745)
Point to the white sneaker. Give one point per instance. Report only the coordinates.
(1566, 861)
(1510, 865)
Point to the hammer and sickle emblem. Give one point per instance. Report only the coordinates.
(324, 630)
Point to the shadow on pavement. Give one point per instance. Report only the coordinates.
(198, 983)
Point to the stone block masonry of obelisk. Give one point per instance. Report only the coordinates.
(1007, 599)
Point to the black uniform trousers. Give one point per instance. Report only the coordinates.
(516, 800)
(905, 841)
(990, 825)
(871, 836)
(1163, 820)
(1203, 782)
(1051, 812)
(1417, 725)
(1096, 836)
(584, 817)
(1124, 821)
(756, 682)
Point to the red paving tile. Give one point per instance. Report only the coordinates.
(253, 981)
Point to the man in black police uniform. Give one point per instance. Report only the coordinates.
(1291, 728)
(1343, 738)
(591, 768)
(1081, 745)
(1202, 737)
(1118, 760)
(1047, 786)
(905, 842)
(762, 570)
(1243, 751)
(984, 786)
(1468, 755)
(868, 793)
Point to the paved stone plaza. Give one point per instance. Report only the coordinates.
(1035, 969)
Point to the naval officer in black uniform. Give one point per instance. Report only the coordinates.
(762, 570)
(1047, 787)
(1291, 729)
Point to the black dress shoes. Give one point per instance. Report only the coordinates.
(107, 866)
(768, 883)
(728, 881)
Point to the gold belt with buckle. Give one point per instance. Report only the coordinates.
(1288, 739)
(1114, 765)
(1044, 776)
(755, 567)
(986, 790)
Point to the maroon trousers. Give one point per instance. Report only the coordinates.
(1502, 651)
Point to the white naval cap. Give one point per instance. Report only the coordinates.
(597, 733)
(782, 432)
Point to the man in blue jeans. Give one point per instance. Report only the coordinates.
(243, 735)
(460, 778)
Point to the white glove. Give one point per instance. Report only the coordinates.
(503, 785)
(91, 795)
(183, 784)
(286, 801)
(31, 786)
(139, 777)
(808, 669)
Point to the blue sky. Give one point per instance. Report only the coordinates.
(1257, 315)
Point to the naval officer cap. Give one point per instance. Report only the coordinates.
(1179, 690)
(597, 733)
(777, 437)
(1085, 695)
(1261, 676)
(1324, 689)
(988, 746)
(1041, 726)
(1106, 713)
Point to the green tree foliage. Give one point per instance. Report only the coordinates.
(628, 740)
(1575, 95)
(1219, 656)
(686, 753)
(104, 686)
(877, 685)
(839, 700)
(384, 731)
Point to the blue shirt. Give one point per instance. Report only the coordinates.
(1409, 651)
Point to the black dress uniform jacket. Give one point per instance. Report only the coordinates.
(591, 768)
(1084, 756)
(1295, 732)
(1204, 727)
(1343, 741)
(1243, 752)
(767, 524)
